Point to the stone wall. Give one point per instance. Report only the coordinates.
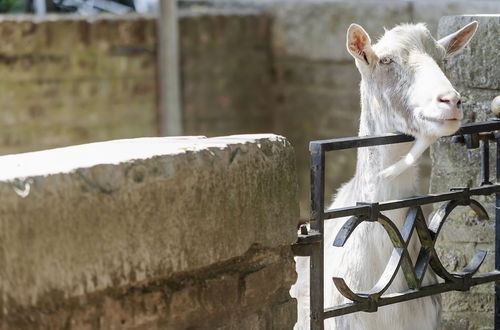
(127, 234)
(68, 80)
(227, 78)
(475, 73)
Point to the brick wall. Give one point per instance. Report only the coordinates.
(69, 80)
(227, 78)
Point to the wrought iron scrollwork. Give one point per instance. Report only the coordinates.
(400, 257)
(311, 242)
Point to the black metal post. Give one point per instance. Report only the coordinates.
(485, 160)
(497, 235)
(317, 213)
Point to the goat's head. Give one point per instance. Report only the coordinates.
(402, 72)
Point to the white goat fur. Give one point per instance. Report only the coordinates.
(402, 89)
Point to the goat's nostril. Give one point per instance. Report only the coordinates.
(459, 103)
(450, 98)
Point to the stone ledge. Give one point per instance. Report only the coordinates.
(81, 219)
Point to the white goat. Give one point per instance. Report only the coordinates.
(402, 89)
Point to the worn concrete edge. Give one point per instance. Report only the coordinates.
(46, 162)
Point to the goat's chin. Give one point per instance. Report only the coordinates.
(437, 122)
(440, 127)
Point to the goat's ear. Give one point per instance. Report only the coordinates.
(359, 44)
(456, 41)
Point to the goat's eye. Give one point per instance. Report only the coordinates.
(386, 60)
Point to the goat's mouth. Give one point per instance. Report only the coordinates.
(440, 120)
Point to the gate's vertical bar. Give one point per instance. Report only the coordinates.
(317, 213)
(497, 234)
(485, 159)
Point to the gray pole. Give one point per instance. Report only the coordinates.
(168, 67)
(40, 7)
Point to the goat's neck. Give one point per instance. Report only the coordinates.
(376, 120)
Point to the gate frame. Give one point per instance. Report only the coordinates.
(311, 243)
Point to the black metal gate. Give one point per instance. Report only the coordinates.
(477, 135)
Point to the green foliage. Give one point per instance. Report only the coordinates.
(11, 6)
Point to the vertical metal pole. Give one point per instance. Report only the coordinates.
(497, 234)
(168, 67)
(485, 159)
(317, 213)
(40, 7)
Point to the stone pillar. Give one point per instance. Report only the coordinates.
(475, 72)
(150, 233)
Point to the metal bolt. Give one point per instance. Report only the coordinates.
(303, 230)
(458, 139)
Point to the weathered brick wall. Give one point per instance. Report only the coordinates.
(74, 80)
(227, 80)
(475, 73)
(155, 233)
(68, 80)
